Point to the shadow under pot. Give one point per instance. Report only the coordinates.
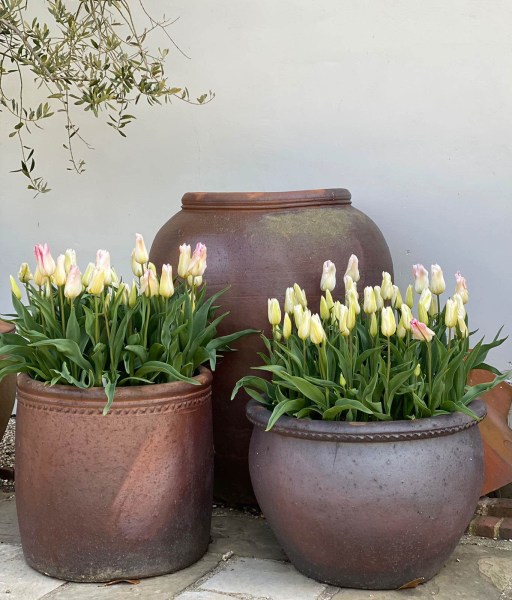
(367, 505)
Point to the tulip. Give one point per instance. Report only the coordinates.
(370, 302)
(374, 327)
(289, 300)
(274, 312)
(166, 289)
(287, 326)
(14, 287)
(97, 282)
(24, 274)
(461, 287)
(378, 297)
(423, 314)
(386, 289)
(39, 277)
(44, 259)
(328, 280)
(351, 316)
(406, 317)
(70, 259)
(300, 296)
(73, 286)
(137, 269)
(348, 283)
(317, 333)
(409, 297)
(149, 284)
(450, 313)
(325, 313)
(184, 261)
(86, 277)
(336, 312)
(194, 281)
(59, 275)
(400, 330)
(114, 277)
(103, 263)
(197, 265)
(396, 300)
(132, 299)
(421, 332)
(424, 304)
(388, 323)
(437, 284)
(125, 293)
(298, 313)
(417, 370)
(151, 267)
(352, 301)
(462, 327)
(140, 253)
(420, 278)
(353, 268)
(343, 381)
(329, 300)
(305, 325)
(343, 320)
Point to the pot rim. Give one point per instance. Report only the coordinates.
(265, 200)
(374, 431)
(159, 397)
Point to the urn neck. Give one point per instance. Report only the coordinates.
(265, 200)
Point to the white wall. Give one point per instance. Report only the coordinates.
(407, 103)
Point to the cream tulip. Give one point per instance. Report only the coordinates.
(73, 287)
(388, 323)
(287, 326)
(328, 280)
(353, 268)
(437, 283)
(166, 288)
(317, 333)
(420, 278)
(305, 325)
(369, 302)
(274, 312)
(289, 300)
(386, 288)
(140, 252)
(24, 274)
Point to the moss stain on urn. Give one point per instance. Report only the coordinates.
(325, 224)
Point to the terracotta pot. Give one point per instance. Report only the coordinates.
(7, 388)
(121, 496)
(258, 244)
(367, 505)
(496, 434)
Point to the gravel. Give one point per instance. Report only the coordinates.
(7, 454)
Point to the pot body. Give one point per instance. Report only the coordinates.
(259, 244)
(373, 505)
(121, 496)
(7, 388)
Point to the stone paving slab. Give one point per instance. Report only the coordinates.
(9, 531)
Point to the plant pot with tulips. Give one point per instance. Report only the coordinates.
(365, 456)
(114, 436)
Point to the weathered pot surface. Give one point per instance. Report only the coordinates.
(367, 505)
(121, 496)
(259, 243)
(7, 387)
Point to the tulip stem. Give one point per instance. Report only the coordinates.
(429, 354)
(62, 314)
(388, 408)
(304, 354)
(97, 321)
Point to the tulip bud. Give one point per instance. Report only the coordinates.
(86, 277)
(461, 311)
(300, 296)
(417, 370)
(352, 301)
(287, 326)
(378, 297)
(276, 333)
(461, 287)
(39, 277)
(140, 253)
(450, 313)
(73, 287)
(406, 317)
(70, 259)
(166, 289)
(151, 267)
(114, 277)
(184, 261)
(386, 289)
(274, 312)
(317, 333)
(14, 287)
(324, 309)
(374, 327)
(396, 300)
(328, 280)
(137, 269)
(388, 323)
(149, 284)
(369, 303)
(348, 283)
(420, 278)
(409, 297)
(351, 316)
(125, 293)
(343, 320)
(437, 284)
(298, 313)
(289, 300)
(400, 330)
(343, 381)
(329, 300)
(423, 314)
(421, 332)
(335, 312)
(44, 259)
(462, 327)
(197, 265)
(305, 325)
(59, 275)
(97, 282)
(24, 274)
(353, 268)
(132, 299)
(425, 298)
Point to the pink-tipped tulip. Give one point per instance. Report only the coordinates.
(197, 263)
(149, 284)
(44, 259)
(73, 287)
(420, 331)
(461, 287)
(141, 254)
(420, 278)
(103, 263)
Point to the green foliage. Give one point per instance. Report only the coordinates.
(90, 55)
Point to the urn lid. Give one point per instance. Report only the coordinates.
(264, 200)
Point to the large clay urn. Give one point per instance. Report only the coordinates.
(121, 496)
(7, 387)
(259, 244)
